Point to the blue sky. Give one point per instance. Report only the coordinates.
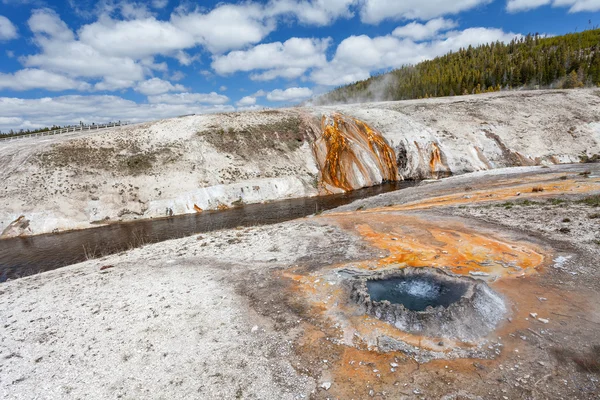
(63, 62)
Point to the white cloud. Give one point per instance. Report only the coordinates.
(375, 11)
(134, 10)
(106, 9)
(246, 101)
(315, 12)
(337, 73)
(289, 59)
(47, 23)
(574, 5)
(155, 86)
(136, 38)
(29, 78)
(177, 76)
(189, 98)
(109, 50)
(223, 88)
(224, 28)
(110, 84)
(23, 113)
(290, 95)
(357, 56)
(153, 66)
(185, 59)
(10, 122)
(78, 59)
(418, 32)
(522, 5)
(227, 26)
(234, 26)
(455, 40)
(8, 30)
(159, 3)
(62, 54)
(287, 73)
(579, 5)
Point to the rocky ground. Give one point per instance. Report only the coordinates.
(264, 312)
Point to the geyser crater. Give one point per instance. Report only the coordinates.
(429, 302)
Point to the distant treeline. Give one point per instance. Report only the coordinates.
(21, 132)
(532, 62)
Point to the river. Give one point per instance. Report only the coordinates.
(20, 257)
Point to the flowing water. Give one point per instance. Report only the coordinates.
(21, 257)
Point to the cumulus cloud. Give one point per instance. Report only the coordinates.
(134, 10)
(574, 5)
(315, 12)
(20, 113)
(186, 59)
(46, 22)
(287, 73)
(80, 60)
(246, 101)
(375, 11)
(177, 76)
(189, 98)
(289, 59)
(136, 38)
(357, 56)
(226, 27)
(32, 78)
(523, 5)
(11, 122)
(290, 95)
(8, 30)
(110, 84)
(156, 86)
(249, 102)
(417, 31)
(159, 3)
(61, 53)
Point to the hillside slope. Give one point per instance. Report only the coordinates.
(195, 163)
(567, 61)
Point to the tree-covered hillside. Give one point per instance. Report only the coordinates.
(568, 61)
